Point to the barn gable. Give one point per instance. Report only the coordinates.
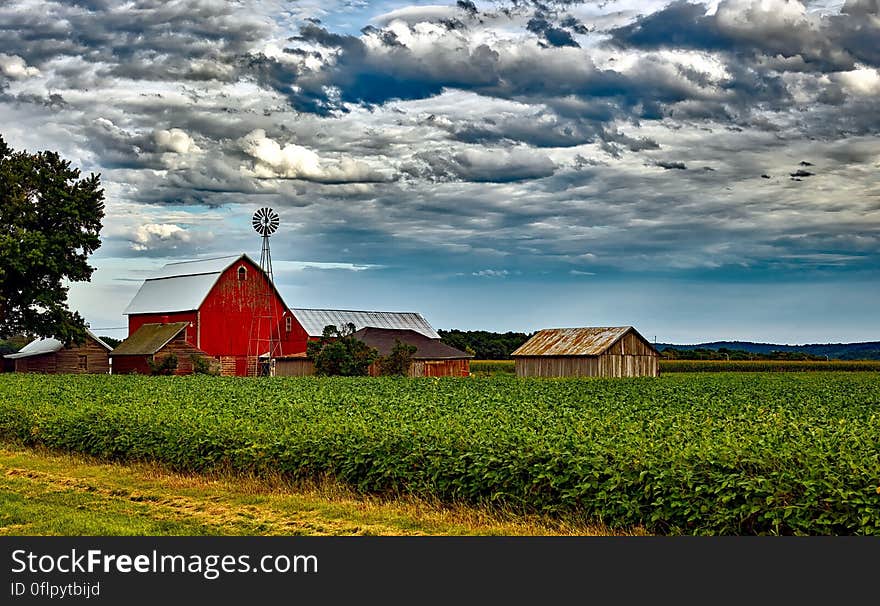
(182, 286)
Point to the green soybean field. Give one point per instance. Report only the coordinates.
(689, 453)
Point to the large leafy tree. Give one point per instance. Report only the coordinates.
(50, 219)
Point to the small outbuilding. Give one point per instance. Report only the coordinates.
(152, 343)
(50, 356)
(615, 351)
(432, 357)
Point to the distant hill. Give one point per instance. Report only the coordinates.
(835, 351)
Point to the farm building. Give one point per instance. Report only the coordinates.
(218, 300)
(153, 343)
(294, 365)
(229, 310)
(432, 357)
(313, 321)
(618, 351)
(51, 357)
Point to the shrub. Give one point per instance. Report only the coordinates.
(338, 353)
(202, 365)
(399, 360)
(166, 366)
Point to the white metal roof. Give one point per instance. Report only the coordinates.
(215, 265)
(179, 286)
(314, 320)
(38, 347)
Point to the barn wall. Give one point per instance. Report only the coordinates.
(298, 367)
(631, 344)
(44, 364)
(124, 365)
(432, 368)
(183, 350)
(606, 365)
(611, 365)
(67, 360)
(557, 366)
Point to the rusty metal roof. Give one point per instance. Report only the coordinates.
(585, 341)
(148, 339)
(314, 320)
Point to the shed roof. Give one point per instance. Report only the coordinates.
(38, 347)
(584, 341)
(181, 286)
(148, 339)
(383, 339)
(314, 320)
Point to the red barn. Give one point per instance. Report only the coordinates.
(229, 308)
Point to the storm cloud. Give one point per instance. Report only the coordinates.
(524, 139)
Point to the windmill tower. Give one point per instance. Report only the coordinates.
(264, 343)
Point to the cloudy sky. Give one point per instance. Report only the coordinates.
(699, 170)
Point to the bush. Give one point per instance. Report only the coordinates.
(201, 365)
(338, 353)
(166, 366)
(399, 360)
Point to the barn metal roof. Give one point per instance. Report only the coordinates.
(38, 347)
(384, 339)
(314, 320)
(148, 339)
(585, 341)
(181, 286)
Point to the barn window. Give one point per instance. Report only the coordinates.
(83, 362)
(288, 323)
(242, 273)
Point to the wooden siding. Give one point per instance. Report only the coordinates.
(420, 368)
(88, 358)
(434, 368)
(557, 366)
(628, 366)
(607, 365)
(183, 350)
(440, 368)
(296, 367)
(632, 345)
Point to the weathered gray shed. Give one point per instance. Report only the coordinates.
(608, 351)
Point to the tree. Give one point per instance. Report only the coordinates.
(399, 360)
(50, 219)
(339, 353)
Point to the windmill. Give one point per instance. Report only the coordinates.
(264, 344)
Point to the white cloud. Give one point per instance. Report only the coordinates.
(174, 140)
(13, 66)
(863, 81)
(292, 161)
(491, 273)
(149, 235)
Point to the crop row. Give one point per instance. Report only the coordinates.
(719, 453)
